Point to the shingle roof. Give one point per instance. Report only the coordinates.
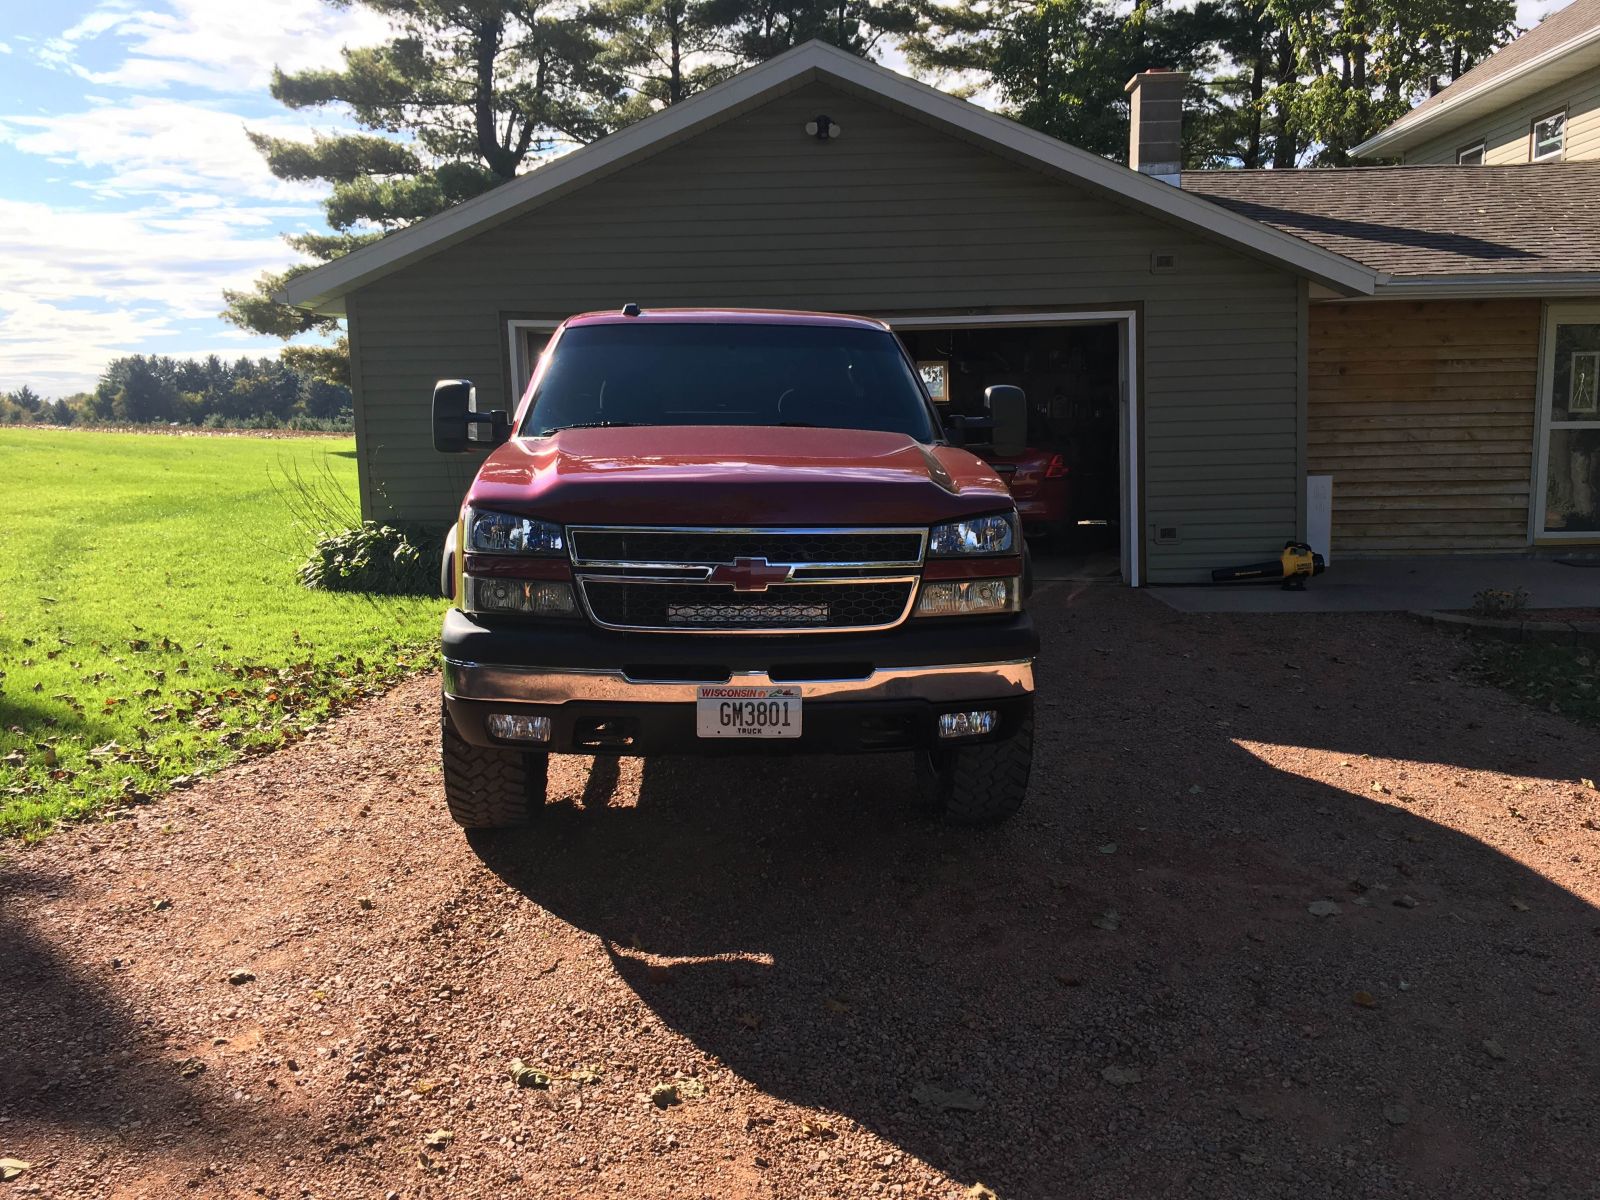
(1556, 29)
(1444, 220)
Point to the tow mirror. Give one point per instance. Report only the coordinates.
(1008, 409)
(454, 416)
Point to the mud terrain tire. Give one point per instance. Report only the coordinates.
(977, 785)
(490, 789)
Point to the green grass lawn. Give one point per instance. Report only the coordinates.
(150, 624)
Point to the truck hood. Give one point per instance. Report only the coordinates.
(708, 475)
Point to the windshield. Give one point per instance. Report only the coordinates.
(833, 377)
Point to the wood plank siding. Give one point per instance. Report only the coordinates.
(1507, 134)
(1423, 413)
(893, 217)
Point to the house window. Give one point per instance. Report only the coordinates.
(1550, 136)
(1569, 464)
(1470, 156)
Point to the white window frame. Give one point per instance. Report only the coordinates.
(1533, 136)
(1479, 147)
(1554, 314)
(523, 363)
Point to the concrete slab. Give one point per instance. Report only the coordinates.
(1403, 585)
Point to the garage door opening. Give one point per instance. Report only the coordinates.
(1070, 484)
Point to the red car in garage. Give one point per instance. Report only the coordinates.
(1042, 488)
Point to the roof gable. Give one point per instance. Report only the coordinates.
(323, 289)
(1564, 44)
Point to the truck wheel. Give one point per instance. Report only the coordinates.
(977, 785)
(490, 789)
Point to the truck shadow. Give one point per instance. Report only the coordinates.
(1121, 993)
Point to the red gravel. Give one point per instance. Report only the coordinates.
(829, 968)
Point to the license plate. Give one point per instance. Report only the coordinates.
(747, 712)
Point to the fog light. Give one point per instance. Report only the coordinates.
(514, 727)
(967, 724)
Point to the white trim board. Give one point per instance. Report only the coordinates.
(323, 288)
(1554, 314)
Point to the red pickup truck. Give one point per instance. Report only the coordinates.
(733, 531)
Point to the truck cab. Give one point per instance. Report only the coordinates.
(733, 531)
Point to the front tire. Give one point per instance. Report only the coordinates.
(489, 789)
(977, 785)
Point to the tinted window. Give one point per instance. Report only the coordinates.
(686, 374)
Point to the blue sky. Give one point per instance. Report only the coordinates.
(129, 195)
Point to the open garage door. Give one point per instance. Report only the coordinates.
(1072, 486)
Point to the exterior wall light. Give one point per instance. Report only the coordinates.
(822, 128)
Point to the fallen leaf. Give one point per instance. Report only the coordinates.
(1108, 848)
(749, 1020)
(364, 902)
(1122, 1076)
(10, 1168)
(423, 1086)
(239, 977)
(1405, 902)
(1396, 1114)
(161, 905)
(525, 1076)
(1323, 908)
(587, 1073)
(1254, 1157)
(1109, 920)
(664, 1095)
(815, 1127)
(1364, 1000)
(1250, 1111)
(1493, 1048)
(1071, 981)
(836, 1006)
(959, 1100)
(979, 1191)
(691, 1089)
(438, 1139)
(1518, 906)
(1589, 783)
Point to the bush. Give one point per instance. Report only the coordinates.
(1500, 602)
(373, 558)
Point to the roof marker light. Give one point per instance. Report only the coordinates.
(630, 309)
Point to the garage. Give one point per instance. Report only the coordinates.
(1161, 338)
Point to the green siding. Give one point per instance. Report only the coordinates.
(894, 217)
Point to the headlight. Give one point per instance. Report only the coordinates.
(968, 597)
(506, 533)
(975, 535)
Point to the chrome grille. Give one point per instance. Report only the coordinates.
(671, 580)
(818, 547)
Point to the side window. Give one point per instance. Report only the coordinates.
(1470, 156)
(1550, 136)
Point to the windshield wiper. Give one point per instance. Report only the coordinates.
(589, 425)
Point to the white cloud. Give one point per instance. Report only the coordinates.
(222, 47)
(145, 271)
(151, 145)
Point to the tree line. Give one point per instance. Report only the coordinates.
(248, 393)
(470, 93)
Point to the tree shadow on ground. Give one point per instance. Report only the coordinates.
(1126, 981)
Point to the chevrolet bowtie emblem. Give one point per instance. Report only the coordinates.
(749, 574)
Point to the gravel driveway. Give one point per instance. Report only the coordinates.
(1124, 993)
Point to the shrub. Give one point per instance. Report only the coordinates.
(1500, 602)
(373, 558)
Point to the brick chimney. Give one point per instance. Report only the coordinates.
(1155, 123)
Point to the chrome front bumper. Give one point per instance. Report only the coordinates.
(535, 685)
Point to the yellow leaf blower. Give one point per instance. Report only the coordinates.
(1298, 563)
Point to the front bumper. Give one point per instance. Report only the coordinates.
(635, 694)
